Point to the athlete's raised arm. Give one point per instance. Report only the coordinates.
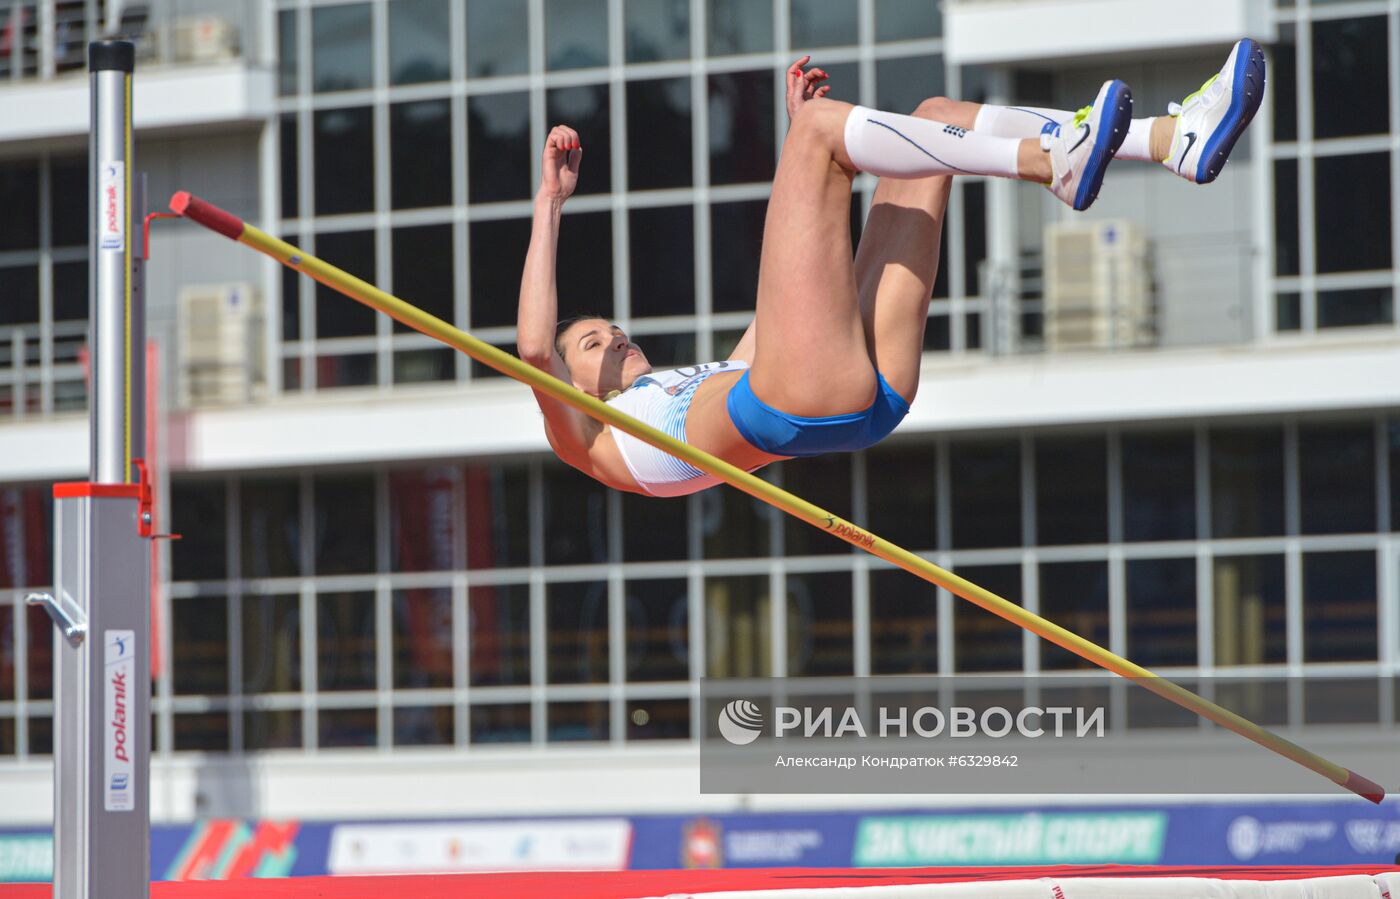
(570, 432)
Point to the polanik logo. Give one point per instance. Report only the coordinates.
(740, 722)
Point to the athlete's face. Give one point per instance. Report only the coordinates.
(600, 357)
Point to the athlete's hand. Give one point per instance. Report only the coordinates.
(562, 155)
(803, 86)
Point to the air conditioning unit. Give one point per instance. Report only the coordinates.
(204, 39)
(1098, 286)
(220, 345)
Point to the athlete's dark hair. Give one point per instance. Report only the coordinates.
(568, 323)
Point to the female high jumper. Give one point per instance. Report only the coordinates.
(831, 361)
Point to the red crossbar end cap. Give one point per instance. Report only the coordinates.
(207, 214)
(1364, 786)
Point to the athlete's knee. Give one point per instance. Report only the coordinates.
(940, 109)
(820, 122)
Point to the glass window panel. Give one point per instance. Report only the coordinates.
(1339, 607)
(1283, 83)
(662, 261)
(19, 197)
(288, 142)
(346, 728)
(1250, 624)
(498, 38)
(420, 44)
(419, 366)
(347, 370)
(657, 30)
(423, 518)
(901, 483)
(904, 82)
(422, 637)
(68, 182)
(420, 146)
(336, 314)
(734, 525)
(271, 644)
(1073, 595)
(669, 350)
(423, 725)
(974, 248)
(1246, 482)
(844, 81)
(1071, 488)
(742, 142)
(1161, 611)
(497, 510)
(903, 624)
(345, 641)
(287, 81)
(8, 737)
(499, 635)
(70, 291)
(982, 641)
(820, 641)
(7, 653)
(1288, 311)
(902, 20)
(1337, 480)
(507, 723)
(822, 23)
(423, 270)
(344, 160)
(273, 729)
(1286, 259)
(271, 527)
(26, 515)
(586, 108)
(1336, 701)
(40, 652)
(736, 235)
(345, 523)
(575, 518)
(658, 630)
(199, 645)
(575, 33)
(585, 253)
(658, 719)
(19, 297)
(1392, 439)
(658, 140)
(498, 148)
(291, 319)
(738, 627)
(653, 529)
(1353, 211)
(204, 732)
(571, 722)
(986, 493)
(739, 26)
(825, 481)
(1349, 59)
(498, 255)
(1159, 485)
(341, 56)
(576, 619)
(1355, 308)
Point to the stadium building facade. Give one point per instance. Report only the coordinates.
(1171, 424)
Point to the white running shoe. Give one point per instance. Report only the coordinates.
(1210, 121)
(1081, 149)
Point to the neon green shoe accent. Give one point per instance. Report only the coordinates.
(1080, 116)
(1202, 89)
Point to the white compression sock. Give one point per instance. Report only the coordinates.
(900, 146)
(1032, 121)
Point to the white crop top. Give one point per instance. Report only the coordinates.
(661, 399)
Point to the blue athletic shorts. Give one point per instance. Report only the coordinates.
(794, 435)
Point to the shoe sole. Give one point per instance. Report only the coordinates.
(1246, 93)
(1113, 130)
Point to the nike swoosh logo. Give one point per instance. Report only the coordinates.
(1190, 142)
(1083, 136)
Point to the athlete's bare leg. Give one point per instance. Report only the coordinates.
(898, 259)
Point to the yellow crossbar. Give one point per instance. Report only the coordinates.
(230, 226)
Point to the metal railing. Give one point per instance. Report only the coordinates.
(47, 38)
(38, 379)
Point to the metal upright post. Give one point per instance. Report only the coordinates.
(102, 718)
